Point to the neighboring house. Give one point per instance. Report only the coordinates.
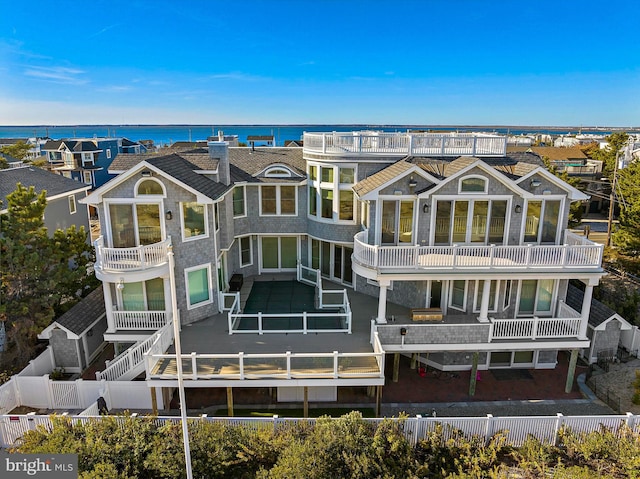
(261, 140)
(63, 195)
(469, 241)
(606, 328)
(76, 337)
(575, 163)
(293, 143)
(87, 160)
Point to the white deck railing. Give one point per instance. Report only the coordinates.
(140, 320)
(262, 323)
(575, 254)
(403, 144)
(131, 360)
(288, 365)
(131, 259)
(535, 328)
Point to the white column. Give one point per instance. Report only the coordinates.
(382, 302)
(484, 305)
(108, 304)
(586, 308)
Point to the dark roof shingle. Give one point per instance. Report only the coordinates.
(83, 314)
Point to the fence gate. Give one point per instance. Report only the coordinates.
(64, 395)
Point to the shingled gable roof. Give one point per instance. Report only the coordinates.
(73, 145)
(254, 161)
(461, 165)
(382, 177)
(40, 179)
(553, 153)
(80, 317)
(599, 313)
(126, 161)
(185, 172)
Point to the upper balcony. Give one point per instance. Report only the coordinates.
(144, 261)
(576, 254)
(366, 143)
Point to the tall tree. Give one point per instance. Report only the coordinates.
(627, 236)
(607, 155)
(18, 150)
(38, 273)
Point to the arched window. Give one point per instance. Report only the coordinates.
(473, 184)
(147, 187)
(277, 172)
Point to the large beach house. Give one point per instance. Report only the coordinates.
(443, 247)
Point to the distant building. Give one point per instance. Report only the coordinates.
(63, 194)
(87, 160)
(261, 140)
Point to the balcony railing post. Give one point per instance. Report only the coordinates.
(454, 258)
(335, 364)
(324, 143)
(563, 257)
(442, 145)
(241, 364)
(492, 250)
(194, 366)
(534, 328)
(260, 323)
(288, 356)
(410, 142)
(304, 322)
(527, 258)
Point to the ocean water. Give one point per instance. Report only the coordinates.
(167, 134)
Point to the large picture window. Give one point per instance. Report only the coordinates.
(194, 220)
(198, 280)
(278, 200)
(541, 222)
(238, 201)
(279, 252)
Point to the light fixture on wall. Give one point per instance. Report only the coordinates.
(425, 208)
(535, 183)
(168, 215)
(412, 182)
(518, 209)
(120, 285)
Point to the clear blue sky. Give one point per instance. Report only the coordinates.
(540, 62)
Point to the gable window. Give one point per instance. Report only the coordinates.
(194, 220)
(473, 184)
(87, 159)
(198, 281)
(277, 172)
(541, 222)
(149, 187)
(278, 200)
(246, 253)
(238, 202)
(72, 204)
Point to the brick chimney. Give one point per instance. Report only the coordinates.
(220, 150)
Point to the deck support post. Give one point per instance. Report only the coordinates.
(306, 402)
(230, 401)
(378, 400)
(396, 366)
(414, 360)
(371, 391)
(586, 308)
(571, 372)
(382, 302)
(154, 401)
(474, 375)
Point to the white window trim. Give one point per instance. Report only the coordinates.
(543, 200)
(84, 177)
(554, 296)
(72, 202)
(279, 268)
(186, 284)
(476, 303)
(146, 178)
(205, 234)
(279, 202)
(471, 177)
(506, 302)
(144, 200)
(278, 172)
(250, 263)
(108, 153)
(464, 301)
(244, 202)
(336, 187)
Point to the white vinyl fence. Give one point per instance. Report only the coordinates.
(516, 429)
(43, 393)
